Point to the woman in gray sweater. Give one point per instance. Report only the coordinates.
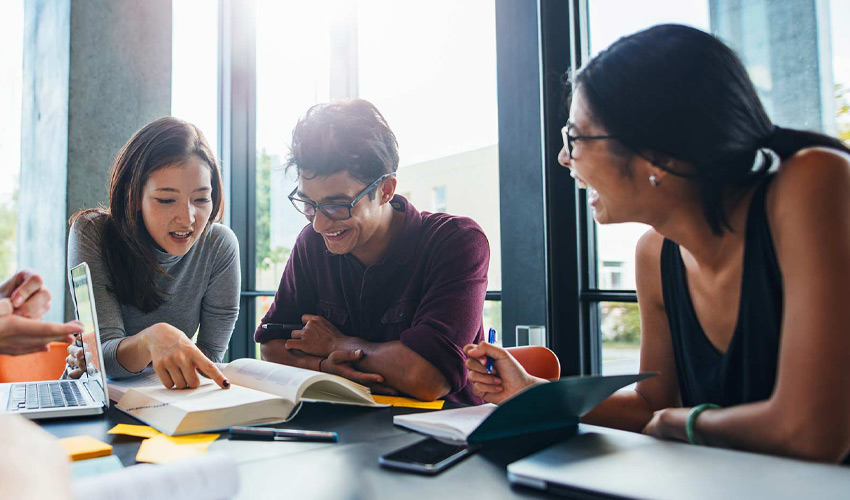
(162, 267)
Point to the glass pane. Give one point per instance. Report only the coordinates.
(797, 54)
(194, 66)
(430, 67)
(293, 73)
(443, 61)
(493, 318)
(11, 78)
(840, 16)
(619, 323)
(261, 305)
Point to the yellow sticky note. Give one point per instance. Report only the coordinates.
(200, 441)
(142, 431)
(83, 447)
(160, 450)
(409, 402)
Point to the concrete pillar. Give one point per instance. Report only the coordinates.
(786, 48)
(95, 71)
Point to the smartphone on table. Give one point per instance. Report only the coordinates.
(429, 456)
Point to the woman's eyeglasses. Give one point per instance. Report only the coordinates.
(570, 140)
(334, 211)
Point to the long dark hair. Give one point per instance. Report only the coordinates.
(679, 92)
(128, 249)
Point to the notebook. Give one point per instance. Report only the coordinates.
(551, 407)
(260, 393)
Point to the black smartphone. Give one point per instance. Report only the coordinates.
(428, 456)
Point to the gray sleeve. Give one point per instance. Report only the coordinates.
(84, 245)
(220, 305)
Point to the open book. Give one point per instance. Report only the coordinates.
(550, 407)
(260, 393)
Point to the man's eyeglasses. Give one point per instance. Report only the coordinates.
(570, 140)
(334, 211)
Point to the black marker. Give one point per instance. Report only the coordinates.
(282, 326)
(272, 434)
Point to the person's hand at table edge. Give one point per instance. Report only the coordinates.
(507, 379)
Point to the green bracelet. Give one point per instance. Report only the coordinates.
(692, 419)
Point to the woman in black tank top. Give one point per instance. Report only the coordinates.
(741, 280)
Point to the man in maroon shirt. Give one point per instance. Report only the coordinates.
(388, 295)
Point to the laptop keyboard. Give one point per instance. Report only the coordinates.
(39, 395)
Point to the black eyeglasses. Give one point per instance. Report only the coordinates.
(334, 211)
(570, 140)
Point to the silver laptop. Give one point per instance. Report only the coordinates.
(608, 463)
(67, 397)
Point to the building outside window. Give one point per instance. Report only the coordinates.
(439, 199)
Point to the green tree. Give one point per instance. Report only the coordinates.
(8, 236)
(620, 322)
(267, 256)
(264, 181)
(842, 112)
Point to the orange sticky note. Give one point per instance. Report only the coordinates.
(84, 447)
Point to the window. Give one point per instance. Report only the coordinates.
(11, 78)
(430, 69)
(293, 74)
(611, 275)
(439, 199)
(809, 93)
(619, 327)
(194, 65)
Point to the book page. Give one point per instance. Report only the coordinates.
(212, 476)
(337, 390)
(293, 383)
(206, 397)
(456, 424)
(280, 380)
(147, 378)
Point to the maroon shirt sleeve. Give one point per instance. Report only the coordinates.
(295, 296)
(449, 315)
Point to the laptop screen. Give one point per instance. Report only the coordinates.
(84, 302)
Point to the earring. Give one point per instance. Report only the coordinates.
(654, 180)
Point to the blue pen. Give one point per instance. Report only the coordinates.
(491, 338)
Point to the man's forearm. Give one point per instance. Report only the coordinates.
(276, 352)
(402, 369)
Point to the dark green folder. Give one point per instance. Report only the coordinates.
(551, 407)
